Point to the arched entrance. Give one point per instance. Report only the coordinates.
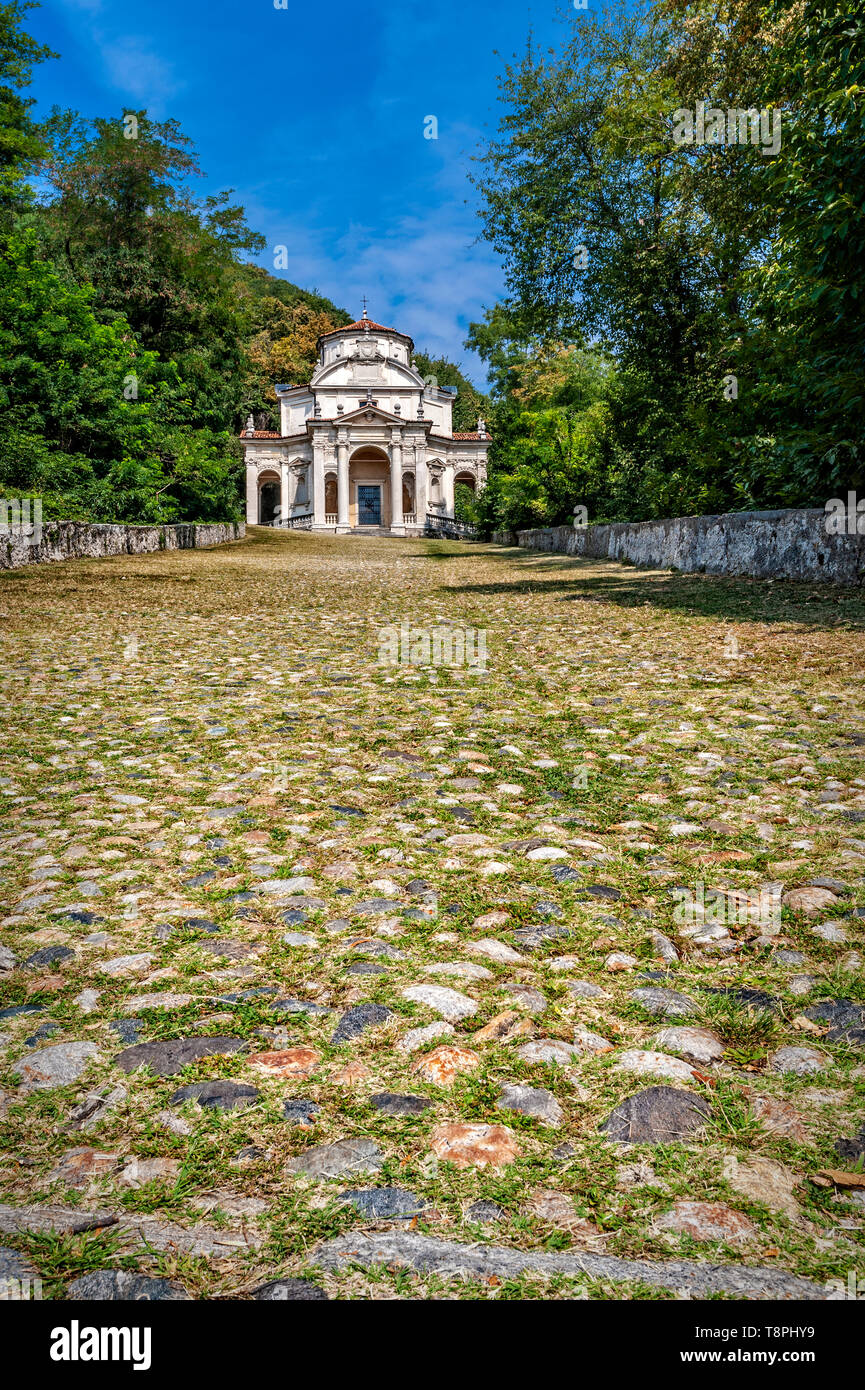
(369, 487)
(268, 498)
(464, 494)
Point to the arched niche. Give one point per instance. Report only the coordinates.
(268, 496)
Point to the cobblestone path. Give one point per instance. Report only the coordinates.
(324, 976)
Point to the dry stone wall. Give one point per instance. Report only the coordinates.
(790, 544)
(76, 540)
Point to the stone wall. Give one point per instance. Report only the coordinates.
(760, 545)
(81, 540)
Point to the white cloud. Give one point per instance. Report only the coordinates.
(134, 69)
(424, 277)
(426, 273)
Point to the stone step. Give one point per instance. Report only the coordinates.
(447, 1257)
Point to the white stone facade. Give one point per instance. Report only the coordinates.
(366, 445)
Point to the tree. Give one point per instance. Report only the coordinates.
(469, 403)
(85, 411)
(20, 144)
(721, 279)
(282, 348)
(119, 217)
(809, 358)
(586, 197)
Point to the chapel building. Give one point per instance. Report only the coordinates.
(366, 446)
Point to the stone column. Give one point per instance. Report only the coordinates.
(251, 493)
(396, 522)
(448, 490)
(283, 493)
(421, 486)
(342, 524)
(318, 452)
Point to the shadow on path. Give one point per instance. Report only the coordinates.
(709, 596)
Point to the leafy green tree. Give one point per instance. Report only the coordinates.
(284, 328)
(469, 403)
(722, 280)
(85, 411)
(119, 217)
(506, 343)
(585, 196)
(551, 448)
(808, 359)
(20, 144)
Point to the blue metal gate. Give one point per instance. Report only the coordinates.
(368, 505)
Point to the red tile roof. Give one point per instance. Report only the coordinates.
(363, 324)
(270, 434)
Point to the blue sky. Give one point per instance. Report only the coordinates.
(314, 114)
